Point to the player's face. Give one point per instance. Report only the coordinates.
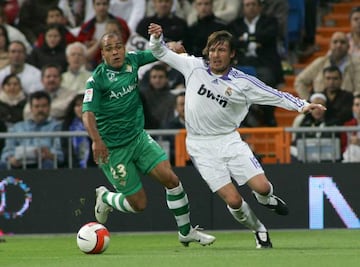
(113, 51)
(220, 57)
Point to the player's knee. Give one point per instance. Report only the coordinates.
(139, 206)
(234, 202)
(265, 189)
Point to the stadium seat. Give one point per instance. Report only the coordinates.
(250, 70)
(271, 144)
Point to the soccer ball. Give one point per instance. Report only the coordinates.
(93, 238)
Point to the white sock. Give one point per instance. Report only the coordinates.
(264, 199)
(247, 217)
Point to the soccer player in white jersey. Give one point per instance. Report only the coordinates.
(217, 99)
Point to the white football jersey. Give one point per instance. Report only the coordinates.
(214, 104)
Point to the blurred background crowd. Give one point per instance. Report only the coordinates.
(48, 49)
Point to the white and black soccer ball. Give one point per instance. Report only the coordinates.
(93, 238)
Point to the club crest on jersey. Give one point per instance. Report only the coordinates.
(111, 76)
(228, 91)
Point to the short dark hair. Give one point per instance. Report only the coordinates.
(110, 34)
(48, 66)
(39, 95)
(54, 8)
(332, 68)
(159, 67)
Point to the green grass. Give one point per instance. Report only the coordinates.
(291, 248)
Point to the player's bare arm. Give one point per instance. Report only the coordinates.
(100, 151)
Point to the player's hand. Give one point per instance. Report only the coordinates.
(155, 30)
(311, 107)
(177, 47)
(100, 152)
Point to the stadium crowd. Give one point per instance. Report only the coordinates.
(53, 46)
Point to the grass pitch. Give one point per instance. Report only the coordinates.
(291, 248)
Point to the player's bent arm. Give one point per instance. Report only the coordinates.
(89, 121)
(159, 49)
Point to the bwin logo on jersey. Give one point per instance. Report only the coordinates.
(206, 92)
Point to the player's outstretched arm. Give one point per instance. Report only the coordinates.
(312, 106)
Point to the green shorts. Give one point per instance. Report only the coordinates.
(140, 155)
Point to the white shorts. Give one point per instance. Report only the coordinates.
(220, 158)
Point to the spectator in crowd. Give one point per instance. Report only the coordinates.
(52, 50)
(180, 8)
(175, 28)
(12, 100)
(308, 45)
(92, 30)
(29, 75)
(311, 78)
(178, 122)
(60, 97)
(158, 97)
(278, 9)
(55, 15)
(257, 43)
(76, 75)
(354, 34)
(350, 141)
(74, 13)
(132, 11)
(113, 25)
(11, 10)
(81, 145)
(339, 101)
(316, 118)
(13, 33)
(31, 18)
(4, 46)
(205, 24)
(34, 152)
(257, 47)
(226, 10)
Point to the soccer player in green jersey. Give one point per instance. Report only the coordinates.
(113, 116)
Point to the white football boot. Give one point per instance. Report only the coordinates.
(101, 209)
(196, 236)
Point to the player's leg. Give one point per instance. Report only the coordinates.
(263, 193)
(178, 203)
(242, 212)
(122, 174)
